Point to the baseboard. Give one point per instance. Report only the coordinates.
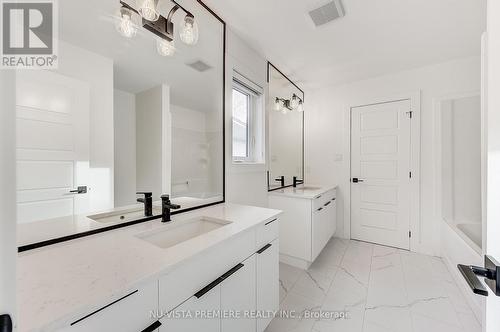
(296, 262)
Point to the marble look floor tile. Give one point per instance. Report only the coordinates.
(289, 276)
(373, 288)
(387, 319)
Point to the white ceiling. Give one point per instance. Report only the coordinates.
(375, 37)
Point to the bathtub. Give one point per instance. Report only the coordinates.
(461, 244)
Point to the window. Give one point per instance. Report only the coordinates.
(247, 121)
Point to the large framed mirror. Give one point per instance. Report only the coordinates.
(285, 111)
(134, 111)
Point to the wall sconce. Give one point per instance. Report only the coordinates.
(285, 105)
(162, 27)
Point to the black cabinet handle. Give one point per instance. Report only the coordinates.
(6, 323)
(99, 310)
(217, 281)
(356, 180)
(267, 246)
(328, 203)
(152, 327)
(270, 222)
(333, 199)
(319, 209)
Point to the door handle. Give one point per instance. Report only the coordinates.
(80, 190)
(356, 180)
(491, 273)
(6, 323)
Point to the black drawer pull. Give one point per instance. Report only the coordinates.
(319, 209)
(270, 222)
(328, 203)
(264, 248)
(152, 327)
(333, 199)
(217, 281)
(99, 310)
(232, 271)
(318, 197)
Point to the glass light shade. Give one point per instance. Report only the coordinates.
(284, 110)
(278, 105)
(189, 32)
(300, 107)
(165, 47)
(125, 26)
(294, 103)
(147, 9)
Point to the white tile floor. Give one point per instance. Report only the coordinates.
(377, 288)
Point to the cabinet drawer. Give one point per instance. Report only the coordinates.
(190, 277)
(267, 232)
(323, 199)
(133, 312)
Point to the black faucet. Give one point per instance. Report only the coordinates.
(148, 203)
(166, 206)
(296, 181)
(281, 179)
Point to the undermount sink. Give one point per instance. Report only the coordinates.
(122, 216)
(187, 230)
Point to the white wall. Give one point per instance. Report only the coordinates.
(245, 184)
(8, 247)
(97, 71)
(326, 159)
(125, 148)
(153, 140)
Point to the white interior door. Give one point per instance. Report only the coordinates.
(380, 171)
(52, 122)
(491, 97)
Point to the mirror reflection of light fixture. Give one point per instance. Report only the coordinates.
(286, 105)
(189, 32)
(165, 47)
(125, 26)
(147, 9)
(162, 27)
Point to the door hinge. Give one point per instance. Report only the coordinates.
(409, 234)
(410, 114)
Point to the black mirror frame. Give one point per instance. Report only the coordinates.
(269, 66)
(131, 223)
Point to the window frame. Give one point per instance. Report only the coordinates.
(255, 97)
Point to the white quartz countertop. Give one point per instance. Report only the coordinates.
(58, 283)
(306, 191)
(39, 231)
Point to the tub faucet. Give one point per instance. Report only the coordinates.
(281, 180)
(166, 206)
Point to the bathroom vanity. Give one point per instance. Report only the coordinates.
(307, 224)
(154, 276)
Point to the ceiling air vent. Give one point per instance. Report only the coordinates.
(199, 66)
(327, 13)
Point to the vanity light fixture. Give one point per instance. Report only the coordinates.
(162, 27)
(285, 105)
(125, 26)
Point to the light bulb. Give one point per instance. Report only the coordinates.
(165, 47)
(300, 107)
(189, 32)
(278, 105)
(125, 25)
(147, 9)
(294, 103)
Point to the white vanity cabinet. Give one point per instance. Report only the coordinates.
(267, 267)
(131, 312)
(307, 224)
